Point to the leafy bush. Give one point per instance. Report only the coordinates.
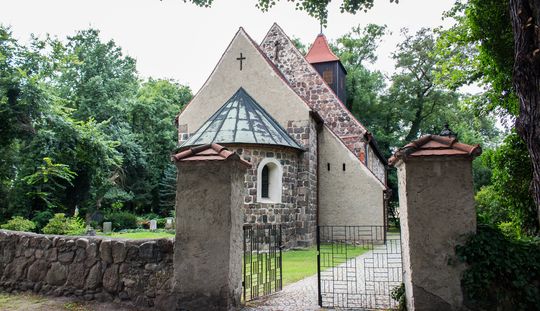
(161, 222)
(122, 220)
(18, 223)
(42, 218)
(503, 273)
(60, 224)
(398, 294)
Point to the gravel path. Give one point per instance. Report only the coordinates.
(301, 295)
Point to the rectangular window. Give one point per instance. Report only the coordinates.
(265, 182)
(328, 76)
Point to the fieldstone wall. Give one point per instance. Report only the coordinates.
(297, 211)
(375, 165)
(137, 272)
(307, 82)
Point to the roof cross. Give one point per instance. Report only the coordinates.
(241, 58)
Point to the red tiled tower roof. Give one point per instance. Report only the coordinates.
(320, 51)
(435, 145)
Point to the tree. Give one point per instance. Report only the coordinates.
(356, 49)
(500, 43)
(524, 18)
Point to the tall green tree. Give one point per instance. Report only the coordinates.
(497, 43)
(524, 18)
(356, 50)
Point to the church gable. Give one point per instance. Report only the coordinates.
(243, 65)
(309, 84)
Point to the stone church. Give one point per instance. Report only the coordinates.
(311, 161)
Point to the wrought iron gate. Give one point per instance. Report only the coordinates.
(358, 266)
(262, 268)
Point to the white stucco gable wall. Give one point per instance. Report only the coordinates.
(257, 77)
(353, 196)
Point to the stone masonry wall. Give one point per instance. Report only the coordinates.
(375, 165)
(137, 272)
(271, 213)
(307, 82)
(298, 210)
(306, 225)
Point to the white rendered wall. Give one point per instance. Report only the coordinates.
(350, 197)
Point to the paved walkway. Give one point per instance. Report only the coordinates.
(368, 287)
(301, 295)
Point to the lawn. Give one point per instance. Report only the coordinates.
(301, 263)
(139, 235)
(297, 264)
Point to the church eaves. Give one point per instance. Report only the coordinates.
(241, 120)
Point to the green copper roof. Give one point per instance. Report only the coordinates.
(241, 120)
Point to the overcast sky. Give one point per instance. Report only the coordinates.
(173, 39)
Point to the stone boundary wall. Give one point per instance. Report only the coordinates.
(136, 272)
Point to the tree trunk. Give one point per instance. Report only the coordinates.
(415, 125)
(525, 15)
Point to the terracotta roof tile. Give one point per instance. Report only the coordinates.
(320, 51)
(208, 152)
(435, 145)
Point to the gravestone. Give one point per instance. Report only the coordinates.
(107, 227)
(153, 224)
(169, 223)
(209, 219)
(436, 199)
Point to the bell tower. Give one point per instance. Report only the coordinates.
(328, 66)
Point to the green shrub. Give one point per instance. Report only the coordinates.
(503, 273)
(161, 222)
(60, 224)
(398, 294)
(42, 218)
(18, 223)
(122, 220)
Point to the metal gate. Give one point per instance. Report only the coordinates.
(358, 266)
(262, 270)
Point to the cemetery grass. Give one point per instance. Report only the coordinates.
(299, 264)
(139, 235)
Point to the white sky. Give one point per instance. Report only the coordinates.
(173, 39)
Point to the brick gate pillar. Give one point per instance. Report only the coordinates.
(436, 200)
(209, 219)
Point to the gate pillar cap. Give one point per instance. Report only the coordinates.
(435, 146)
(208, 152)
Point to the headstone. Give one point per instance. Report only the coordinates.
(90, 231)
(107, 227)
(153, 224)
(169, 223)
(97, 216)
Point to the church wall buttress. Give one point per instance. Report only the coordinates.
(306, 204)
